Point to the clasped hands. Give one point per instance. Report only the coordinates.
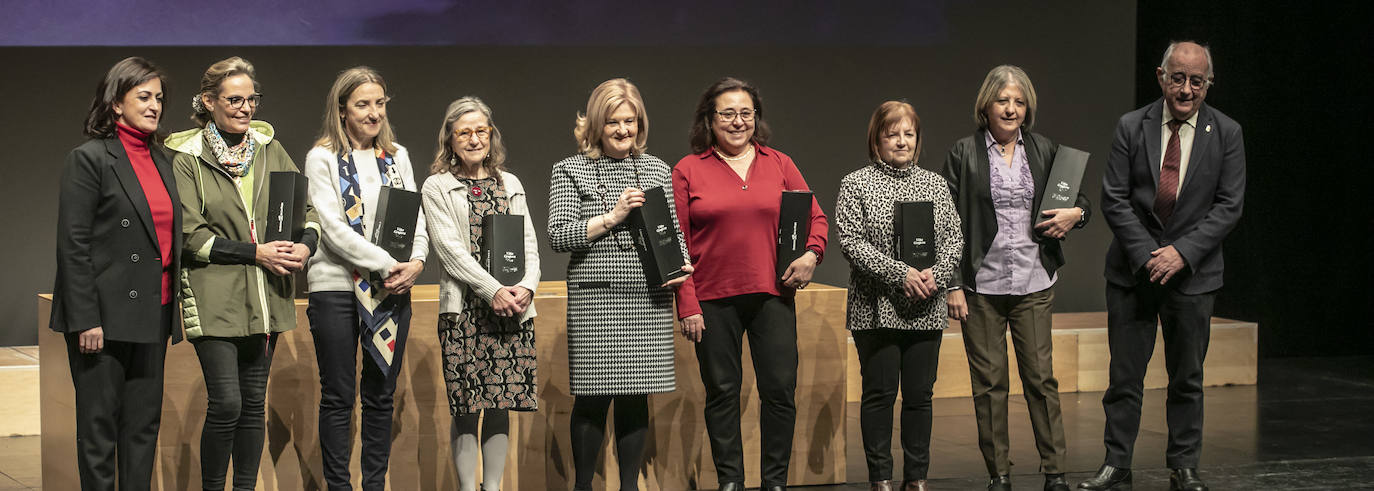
(919, 284)
(511, 301)
(282, 257)
(1164, 263)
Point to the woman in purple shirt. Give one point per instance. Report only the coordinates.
(996, 178)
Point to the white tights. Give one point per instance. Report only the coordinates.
(495, 440)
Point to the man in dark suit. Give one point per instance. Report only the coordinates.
(1173, 189)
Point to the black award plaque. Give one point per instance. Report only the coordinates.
(794, 227)
(655, 238)
(914, 233)
(502, 250)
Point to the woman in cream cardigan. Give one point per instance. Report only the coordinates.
(486, 329)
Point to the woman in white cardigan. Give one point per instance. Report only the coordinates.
(354, 158)
(486, 329)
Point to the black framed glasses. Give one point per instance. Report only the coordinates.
(237, 102)
(729, 115)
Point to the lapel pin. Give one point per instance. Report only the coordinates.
(1208, 128)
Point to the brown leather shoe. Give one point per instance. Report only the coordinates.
(880, 486)
(915, 485)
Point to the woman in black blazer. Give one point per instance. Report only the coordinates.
(118, 250)
(1006, 280)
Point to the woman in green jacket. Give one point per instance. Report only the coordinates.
(237, 290)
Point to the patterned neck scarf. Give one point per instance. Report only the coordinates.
(237, 159)
(378, 311)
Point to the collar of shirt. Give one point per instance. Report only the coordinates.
(710, 153)
(990, 141)
(1168, 116)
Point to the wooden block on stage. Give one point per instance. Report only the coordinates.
(19, 378)
(952, 377)
(1232, 358)
(678, 455)
(1092, 359)
(1081, 358)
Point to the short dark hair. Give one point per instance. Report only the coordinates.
(122, 78)
(701, 136)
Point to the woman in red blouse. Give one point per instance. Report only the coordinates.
(727, 195)
(118, 245)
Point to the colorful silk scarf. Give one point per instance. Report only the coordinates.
(377, 308)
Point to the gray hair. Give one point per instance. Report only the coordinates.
(1169, 53)
(999, 78)
(444, 158)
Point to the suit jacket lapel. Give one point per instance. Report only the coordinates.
(164, 168)
(982, 179)
(1202, 143)
(128, 179)
(1151, 123)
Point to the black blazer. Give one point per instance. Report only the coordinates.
(966, 170)
(109, 273)
(1209, 203)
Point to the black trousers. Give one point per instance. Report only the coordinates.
(771, 323)
(889, 359)
(118, 410)
(1131, 324)
(235, 371)
(337, 331)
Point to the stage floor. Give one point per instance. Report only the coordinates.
(1309, 424)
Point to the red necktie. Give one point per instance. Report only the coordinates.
(1167, 192)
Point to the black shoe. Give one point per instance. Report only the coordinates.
(999, 483)
(1108, 478)
(732, 486)
(777, 488)
(1186, 480)
(1056, 482)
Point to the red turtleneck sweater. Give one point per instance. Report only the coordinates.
(159, 202)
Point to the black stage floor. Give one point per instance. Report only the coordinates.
(1308, 424)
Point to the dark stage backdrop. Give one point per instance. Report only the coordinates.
(1300, 260)
(819, 88)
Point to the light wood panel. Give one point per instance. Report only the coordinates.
(677, 457)
(1081, 357)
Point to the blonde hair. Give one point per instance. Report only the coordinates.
(210, 82)
(334, 133)
(999, 78)
(605, 99)
(890, 113)
(444, 158)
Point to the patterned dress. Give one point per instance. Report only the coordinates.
(489, 361)
(620, 330)
(863, 215)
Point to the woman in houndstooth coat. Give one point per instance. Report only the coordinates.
(620, 329)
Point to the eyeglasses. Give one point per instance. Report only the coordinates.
(728, 115)
(1177, 79)
(480, 132)
(236, 102)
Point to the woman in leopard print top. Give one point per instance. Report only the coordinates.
(896, 312)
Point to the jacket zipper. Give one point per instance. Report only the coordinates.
(253, 236)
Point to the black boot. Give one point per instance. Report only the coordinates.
(1056, 482)
(1108, 478)
(999, 483)
(1186, 480)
